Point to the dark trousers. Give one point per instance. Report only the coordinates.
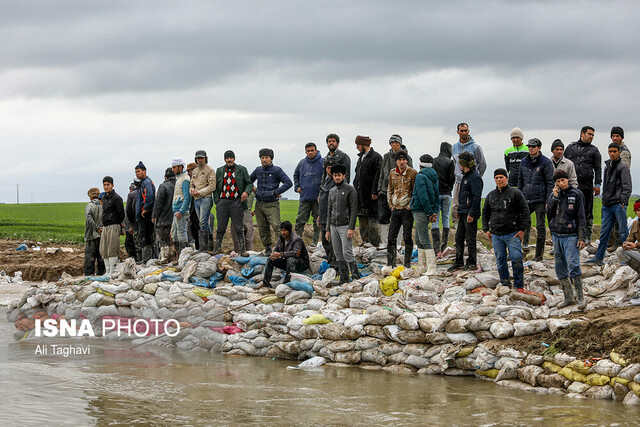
(540, 211)
(588, 210)
(93, 262)
(290, 265)
(466, 232)
(400, 218)
(230, 208)
(328, 248)
(132, 246)
(384, 212)
(369, 232)
(145, 230)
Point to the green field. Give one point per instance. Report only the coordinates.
(64, 222)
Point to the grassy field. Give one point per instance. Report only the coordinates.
(64, 222)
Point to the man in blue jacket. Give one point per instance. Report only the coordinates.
(306, 181)
(535, 181)
(425, 202)
(145, 200)
(272, 182)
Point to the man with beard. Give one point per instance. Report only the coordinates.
(366, 170)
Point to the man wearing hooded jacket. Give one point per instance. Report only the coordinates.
(445, 168)
(424, 205)
(306, 181)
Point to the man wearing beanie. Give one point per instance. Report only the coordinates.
(181, 205)
(233, 186)
(630, 250)
(366, 171)
(424, 205)
(145, 199)
(339, 157)
(112, 223)
(568, 226)
(272, 182)
(162, 216)
(203, 184)
(535, 180)
(387, 165)
(465, 144)
(401, 182)
(445, 168)
(306, 182)
(617, 137)
(131, 241)
(588, 163)
(505, 217)
(93, 263)
(514, 155)
(469, 203)
(323, 205)
(615, 198)
(561, 163)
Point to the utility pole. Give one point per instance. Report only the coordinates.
(17, 194)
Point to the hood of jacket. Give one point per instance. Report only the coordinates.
(316, 159)
(446, 150)
(429, 173)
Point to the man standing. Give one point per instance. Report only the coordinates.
(469, 201)
(232, 190)
(588, 164)
(93, 262)
(203, 184)
(323, 204)
(424, 205)
(388, 164)
(162, 216)
(535, 180)
(144, 208)
(193, 223)
(112, 223)
(465, 144)
(131, 242)
(446, 170)
(615, 198)
(306, 180)
(568, 226)
(514, 155)
(272, 182)
(630, 250)
(401, 182)
(247, 221)
(181, 204)
(341, 223)
(339, 156)
(290, 254)
(561, 163)
(366, 171)
(617, 137)
(505, 217)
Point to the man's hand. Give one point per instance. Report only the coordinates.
(469, 218)
(581, 244)
(100, 230)
(178, 215)
(556, 191)
(488, 234)
(374, 197)
(275, 255)
(350, 234)
(153, 220)
(455, 215)
(244, 196)
(596, 191)
(194, 192)
(433, 218)
(254, 190)
(628, 245)
(520, 235)
(130, 230)
(144, 213)
(279, 196)
(328, 235)
(299, 190)
(318, 221)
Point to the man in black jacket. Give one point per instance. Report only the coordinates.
(445, 168)
(588, 163)
(338, 156)
(615, 198)
(290, 254)
(366, 170)
(131, 242)
(323, 203)
(469, 201)
(162, 215)
(504, 218)
(112, 223)
(568, 226)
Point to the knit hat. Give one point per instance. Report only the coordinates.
(516, 132)
(402, 155)
(426, 161)
(93, 193)
(229, 155)
(177, 161)
(168, 173)
(560, 174)
(107, 179)
(141, 166)
(501, 171)
(363, 140)
(191, 166)
(395, 138)
(338, 168)
(618, 130)
(266, 152)
(636, 205)
(286, 225)
(534, 142)
(467, 160)
(556, 143)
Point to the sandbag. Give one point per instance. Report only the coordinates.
(573, 375)
(389, 285)
(316, 319)
(502, 330)
(597, 379)
(579, 366)
(606, 367)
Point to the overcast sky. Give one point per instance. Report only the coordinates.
(88, 89)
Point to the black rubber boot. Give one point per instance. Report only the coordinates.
(203, 240)
(577, 285)
(435, 236)
(355, 274)
(408, 252)
(568, 293)
(391, 255)
(344, 273)
(445, 240)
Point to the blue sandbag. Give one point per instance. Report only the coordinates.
(98, 278)
(171, 277)
(199, 281)
(215, 279)
(238, 280)
(324, 266)
(249, 272)
(317, 276)
(258, 260)
(21, 247)
(242, 259)
(301, 286)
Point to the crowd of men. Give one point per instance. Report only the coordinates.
(387, 197)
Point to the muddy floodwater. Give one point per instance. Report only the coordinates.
(117, 386)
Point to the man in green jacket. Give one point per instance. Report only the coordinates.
(232, 189)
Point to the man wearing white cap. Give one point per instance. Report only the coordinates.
(181, 204)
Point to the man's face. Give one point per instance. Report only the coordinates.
(332, 144)
(328, 170)
(516, 141)
(177, 169)
(265, 160)
(338, 177)
(614, 153)
(141, 174)
(464, 169)
(360, 148)
(107, 187)
(616, 139)
(311, 152)
(562, 183)
(285, 233)
(402, 164)
(534, 150)
(587, 137)
(200, 161)
(395, 146)
(189, 172)
(463, 133)
(230, 161)
(558, 152)
(501, 181)
(638, 213)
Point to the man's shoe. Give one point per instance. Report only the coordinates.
(455, 267)
(594, 261)
(525, 248)
(470, 267)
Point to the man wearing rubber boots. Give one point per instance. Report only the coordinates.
(145, 199)
(203, 184)
(289, 254)
(399, 192)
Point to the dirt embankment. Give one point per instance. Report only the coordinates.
(40, 265)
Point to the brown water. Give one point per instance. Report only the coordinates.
(114, 385)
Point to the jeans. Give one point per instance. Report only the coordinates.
(341, 244)
(611, 214)
(422, 230)
(567, 255)
(444, 211)
(203, 210)
(308, 209)
(466, 232)
(500, 246)
(179, 229)
(540, 211)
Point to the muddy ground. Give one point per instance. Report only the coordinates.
(40, 265)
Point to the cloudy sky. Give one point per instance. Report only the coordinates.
(88, 89)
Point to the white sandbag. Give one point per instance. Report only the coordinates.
(529, 328)
(355, 319)
(606, 367)
(407, 321)
(502, 330)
